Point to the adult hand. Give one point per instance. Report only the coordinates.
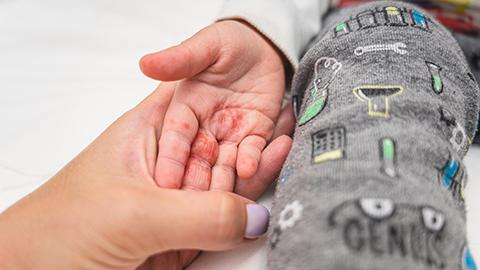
(104, 211)
(224, 109)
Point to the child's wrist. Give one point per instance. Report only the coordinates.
(287, 65)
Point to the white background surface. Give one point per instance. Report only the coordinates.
(69, 68)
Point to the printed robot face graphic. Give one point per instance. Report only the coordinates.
(381, 227)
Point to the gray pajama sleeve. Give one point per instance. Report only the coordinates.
(386, 110)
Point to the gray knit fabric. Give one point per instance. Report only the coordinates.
(387, 108)
(471, 48)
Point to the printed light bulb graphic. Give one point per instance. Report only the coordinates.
(377, 97)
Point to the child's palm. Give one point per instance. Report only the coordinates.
(221, 118)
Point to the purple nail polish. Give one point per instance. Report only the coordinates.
(257, 221)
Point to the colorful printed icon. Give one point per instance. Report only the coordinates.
(437, 83)
(452, 177)
(419, 19)
(468, 263)
(328, 144)
(387, 146)
(392, 11)
(326, 69)
(394, 16)
(377, 97)
(313, 110)
(341, 29)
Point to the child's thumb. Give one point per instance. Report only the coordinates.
(185, 60)
(207, 220)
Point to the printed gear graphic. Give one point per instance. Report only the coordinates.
(290, 215)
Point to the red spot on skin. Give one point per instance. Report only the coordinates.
(204, 148)
(186, 126)
(228, 120)
(172, 121)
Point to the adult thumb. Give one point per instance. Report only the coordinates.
(207, 220)
(185, 60)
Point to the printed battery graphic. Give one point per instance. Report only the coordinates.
(387, 147)
(328, 144)
(437, 83)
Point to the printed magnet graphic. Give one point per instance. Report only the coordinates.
(388, 156)
(377, 97)
(326, 70)
(398, 47)
(382, 227)
(437, 83)
(453, 177)
(328, 144)
(468, 263)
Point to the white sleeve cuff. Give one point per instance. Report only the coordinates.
(289, 24)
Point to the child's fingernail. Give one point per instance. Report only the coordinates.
(257, 220)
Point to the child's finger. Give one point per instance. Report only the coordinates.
(184, 60)
(203, 155)
(248, 157)
(223, 172)
(179, 130)
(271, 162)
(285, 123)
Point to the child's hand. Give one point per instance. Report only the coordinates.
(223, 113)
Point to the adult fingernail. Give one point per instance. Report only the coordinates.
(257, 221)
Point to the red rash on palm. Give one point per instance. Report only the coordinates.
(228, 122)
(203, 155)
(204, 148)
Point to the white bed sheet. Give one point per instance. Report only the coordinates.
(69, 68)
